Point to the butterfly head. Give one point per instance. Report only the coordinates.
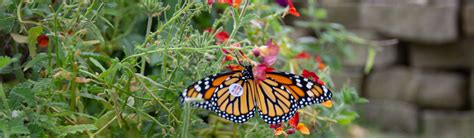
(247, 71)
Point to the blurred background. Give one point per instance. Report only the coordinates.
(422, 83)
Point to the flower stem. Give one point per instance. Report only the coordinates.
(148, 30)
(187, 116)
(237, 20)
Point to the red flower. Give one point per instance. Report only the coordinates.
(277, 129)
(320, 63)
(236, 3)
(226, 1)
(294, 122)
(210, 2)
(303, 55)
(294, 125)
(228, 58)
(43, 41)
(233, 67)
(274, 126)
(309, 74)
(291, 131)
(222, 36)
(292, 9)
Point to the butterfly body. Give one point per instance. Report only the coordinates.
(236, 95)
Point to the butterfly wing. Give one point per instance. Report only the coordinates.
(304, 90)
(282, 94)
(216, 93)
(275, 103)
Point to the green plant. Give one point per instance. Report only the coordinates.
(116, 69)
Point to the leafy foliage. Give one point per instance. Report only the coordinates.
(115, 69)
(4, 61)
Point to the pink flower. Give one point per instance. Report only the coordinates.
(260, 72)
(269, 53)
(256, 52)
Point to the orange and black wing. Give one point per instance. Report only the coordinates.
(275, 103)
(282, 94)
(304, 90)
(215, 93)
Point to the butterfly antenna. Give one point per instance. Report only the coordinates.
(239, 61)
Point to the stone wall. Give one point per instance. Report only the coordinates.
(423, 85)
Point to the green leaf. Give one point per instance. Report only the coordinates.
(247, 18)
(33, 34)
(320, 13)
(362, 101)
(6, 22)
(275, 25)
(97, 64)
(14, 126)
(19, 38)
(96, 56)
(346, 117)
(23, 92)
(72, 129)
(4, 61)
(370, 60)
(104, 119)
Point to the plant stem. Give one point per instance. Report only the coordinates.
(18, 13)
(176, 16)
(237, 20)
(148, 30)
(156, 98)
(179, 48)
(105, 126)
(187, 116)
(234, 130)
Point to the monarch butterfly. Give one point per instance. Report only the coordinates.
(236, 95)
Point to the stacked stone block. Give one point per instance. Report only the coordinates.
(423, 85)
